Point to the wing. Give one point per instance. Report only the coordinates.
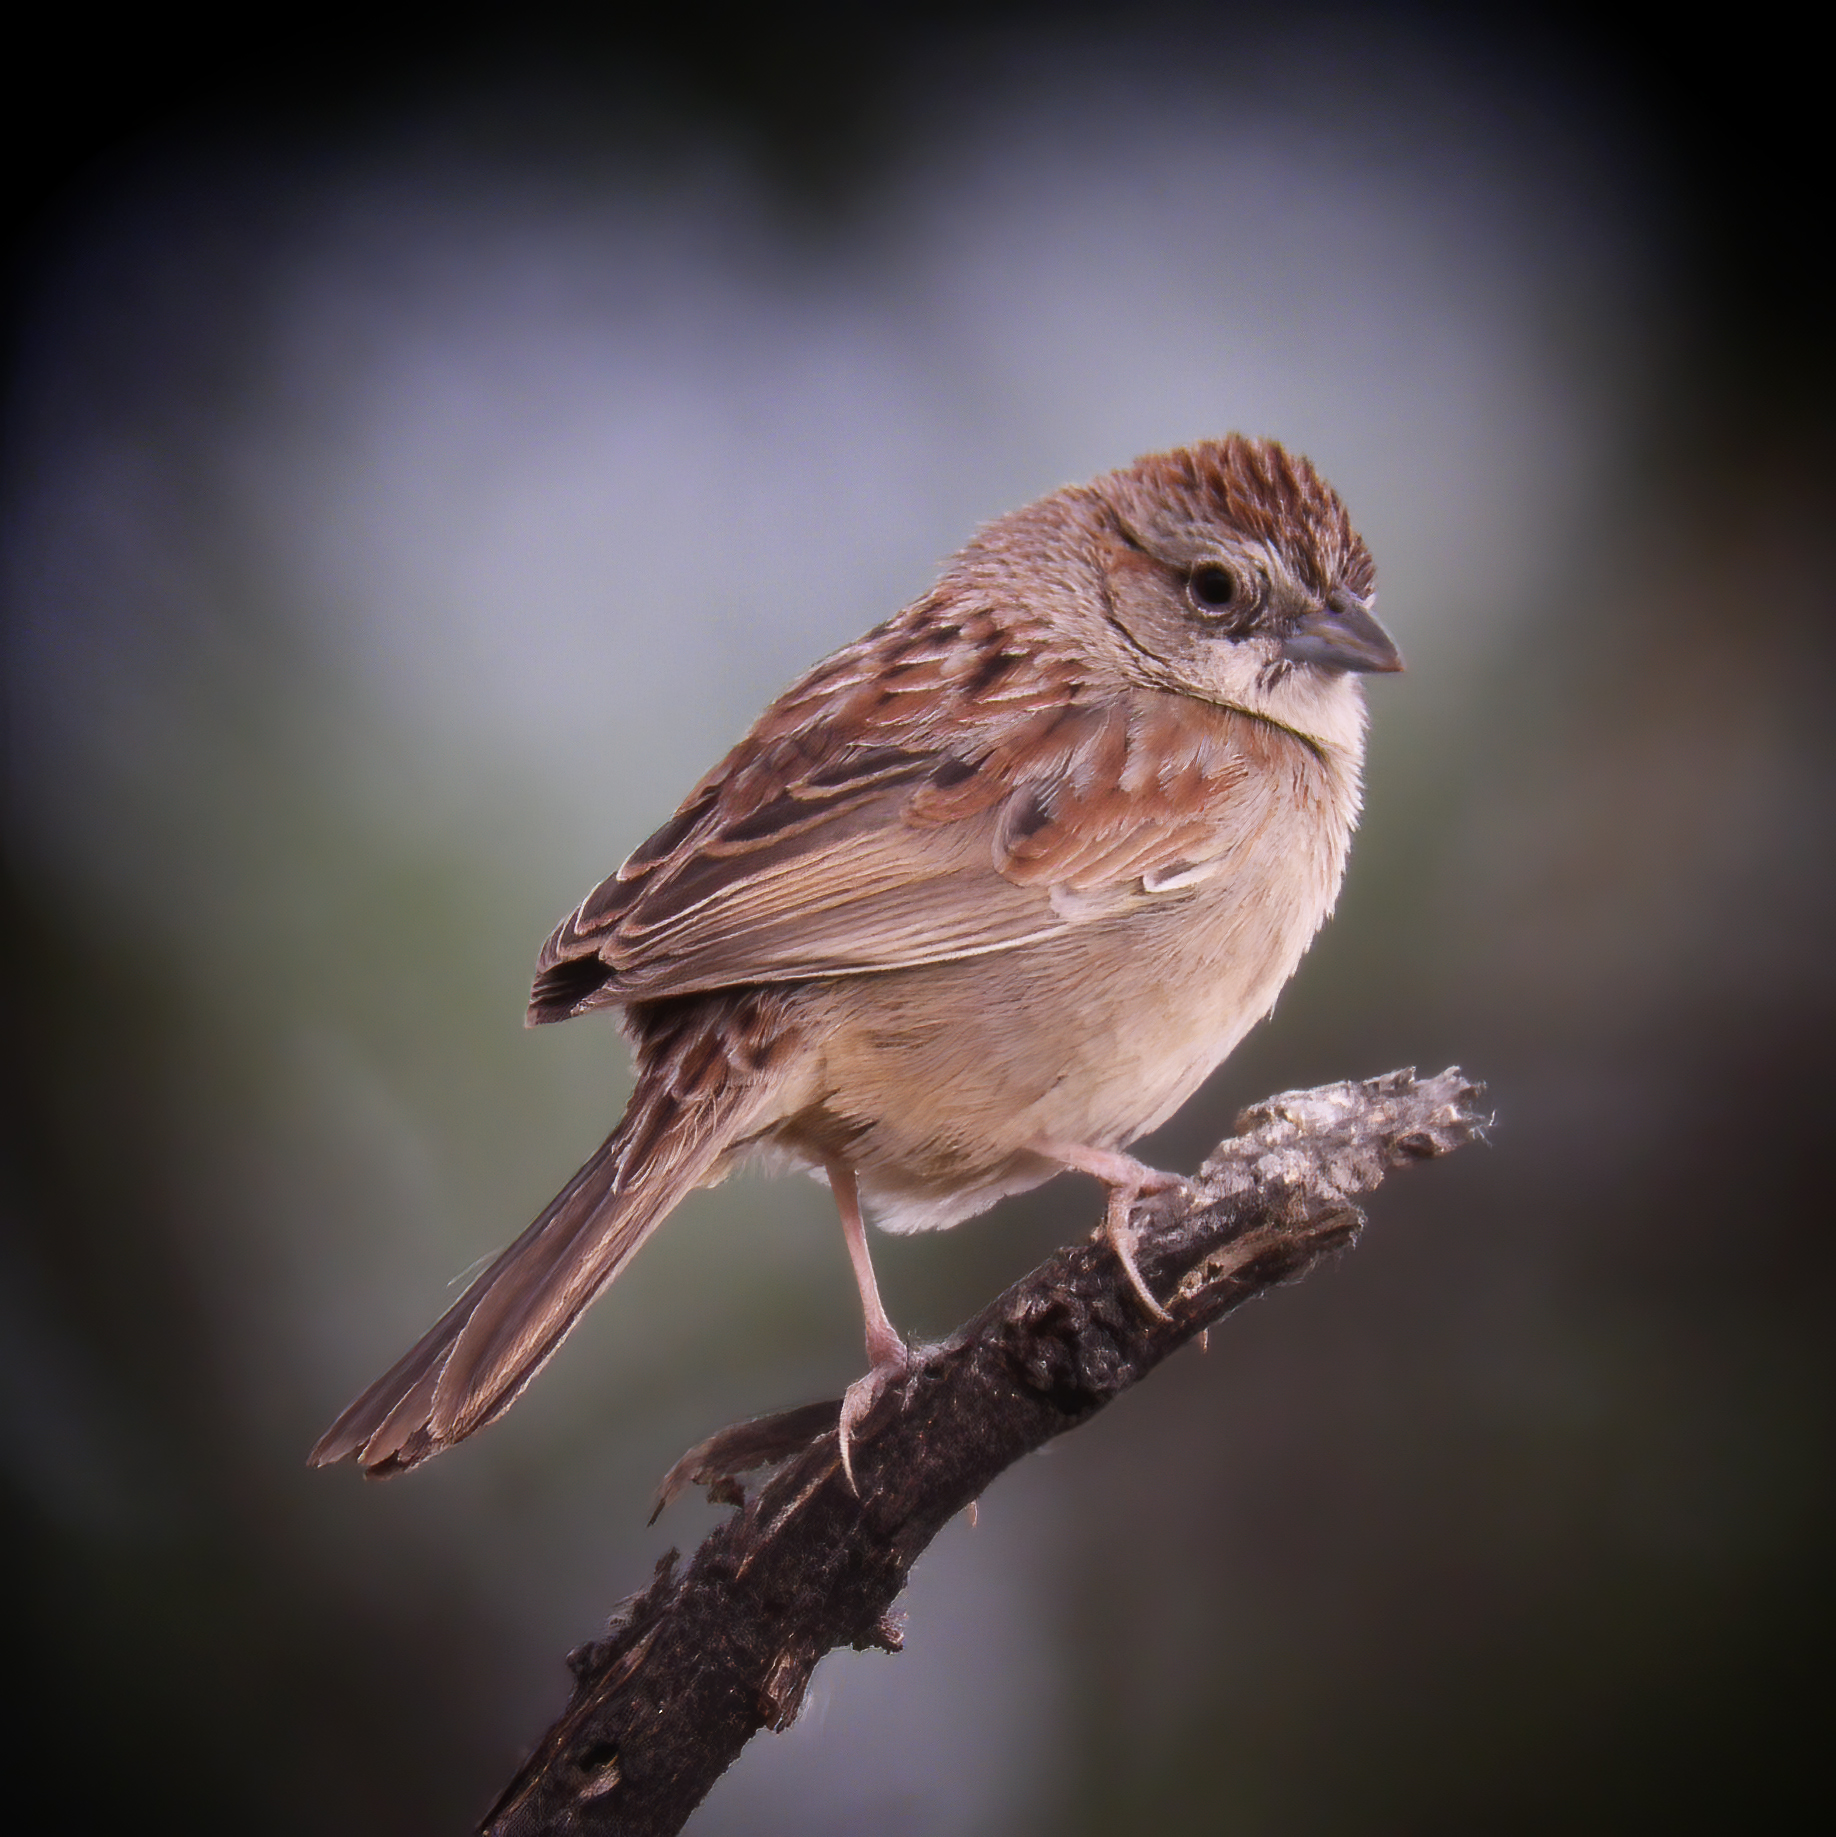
(938, 791)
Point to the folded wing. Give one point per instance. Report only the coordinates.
(960, 816)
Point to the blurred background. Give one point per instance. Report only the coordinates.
(425, 453)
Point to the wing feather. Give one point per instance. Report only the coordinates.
(945, 804)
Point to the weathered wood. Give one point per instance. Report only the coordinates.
(693, 1667)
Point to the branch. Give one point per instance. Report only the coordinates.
(700, 1661)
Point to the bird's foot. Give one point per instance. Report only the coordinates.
(1127, 1180)
(892, 1359)
(1123, 1237)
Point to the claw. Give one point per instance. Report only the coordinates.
(860, 1397)
(1122, 1240)
(1127, 1180)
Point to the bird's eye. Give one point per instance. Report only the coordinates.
(1213, 589)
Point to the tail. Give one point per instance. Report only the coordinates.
(474, 1362)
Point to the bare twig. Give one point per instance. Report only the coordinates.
(691, 1668)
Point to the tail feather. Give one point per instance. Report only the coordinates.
(473, 1363)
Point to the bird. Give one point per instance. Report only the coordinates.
(984, 896)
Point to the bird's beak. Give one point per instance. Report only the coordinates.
(1341, 635)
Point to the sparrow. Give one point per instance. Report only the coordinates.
(985, 896)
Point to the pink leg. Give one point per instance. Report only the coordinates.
(887, 1353)
(1127, 1179)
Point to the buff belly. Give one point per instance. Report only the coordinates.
(936, 1084)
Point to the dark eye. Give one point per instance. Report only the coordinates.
(1213, 589)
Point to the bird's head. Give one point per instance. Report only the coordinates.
(1231, 572)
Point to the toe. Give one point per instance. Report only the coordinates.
(1121, 1236)
(858, 1402)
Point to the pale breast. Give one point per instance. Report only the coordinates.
(935, 1082)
